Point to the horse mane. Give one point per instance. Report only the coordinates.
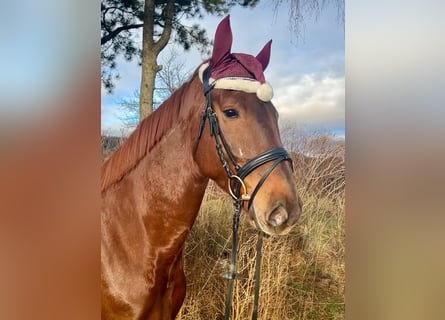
(147, 134)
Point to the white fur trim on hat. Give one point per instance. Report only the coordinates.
(263, 91)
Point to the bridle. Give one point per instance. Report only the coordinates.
(236, 183)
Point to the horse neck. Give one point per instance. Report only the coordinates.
(168, 176)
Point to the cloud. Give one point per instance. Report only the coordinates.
(110, 122)
(115, 130)
(314, 100)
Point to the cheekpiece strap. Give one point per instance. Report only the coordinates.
(205, 81)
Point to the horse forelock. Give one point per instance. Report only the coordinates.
(147, 134)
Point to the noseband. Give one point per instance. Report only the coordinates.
(236, 183)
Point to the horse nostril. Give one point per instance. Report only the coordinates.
(278, 217)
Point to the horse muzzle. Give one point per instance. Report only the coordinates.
(279, 220)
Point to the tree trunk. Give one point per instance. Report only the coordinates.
(150, 51)
(148, 63)
(149, 70)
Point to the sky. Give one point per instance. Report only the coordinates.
(43, 48)
(306, 72)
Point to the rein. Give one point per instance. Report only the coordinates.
(236, 183)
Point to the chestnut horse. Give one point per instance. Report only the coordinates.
(153, 185)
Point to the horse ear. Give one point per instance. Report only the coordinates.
(223, 41)
(264, 56)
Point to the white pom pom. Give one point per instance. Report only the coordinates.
(265, 92)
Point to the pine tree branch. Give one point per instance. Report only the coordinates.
(111, 35)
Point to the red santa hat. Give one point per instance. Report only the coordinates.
(237, 71)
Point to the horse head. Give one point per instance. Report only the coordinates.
(243, 124)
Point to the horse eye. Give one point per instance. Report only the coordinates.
(231, 113)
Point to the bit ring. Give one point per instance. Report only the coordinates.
(245, 196)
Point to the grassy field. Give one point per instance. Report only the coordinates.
(302, 273)
(302, 276)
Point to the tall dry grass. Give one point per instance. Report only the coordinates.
(303, 273)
